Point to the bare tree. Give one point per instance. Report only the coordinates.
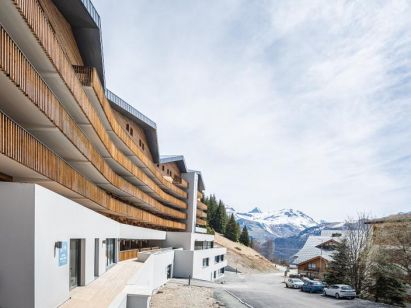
(358, 242)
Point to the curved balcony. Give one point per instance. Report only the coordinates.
(200, 195)
(201, 222)
(24, 157)
(49, 114)
(36, 19)
(201, 206)
(201, 214)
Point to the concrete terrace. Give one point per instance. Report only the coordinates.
(102, 291)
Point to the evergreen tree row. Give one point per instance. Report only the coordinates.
(219, 221)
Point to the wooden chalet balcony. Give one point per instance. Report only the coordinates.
(201, 222)
(180, 183)
(39, 163)
(201, 214)
(201, 206)
(27, 80)
(88, 77)
(37, 21)
(200, 195)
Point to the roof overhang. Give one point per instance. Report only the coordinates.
(86, 25)
(315, 258)
(149, 127)
(201, 185)
(178, 159)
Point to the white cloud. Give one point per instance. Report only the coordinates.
(302, 104)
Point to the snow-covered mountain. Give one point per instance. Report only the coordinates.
(273, 224)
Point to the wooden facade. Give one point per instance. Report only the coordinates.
(133, 189)
(313, 268)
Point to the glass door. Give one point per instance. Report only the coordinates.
(110, 251)
(74, 263)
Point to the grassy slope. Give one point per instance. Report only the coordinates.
(244, 258)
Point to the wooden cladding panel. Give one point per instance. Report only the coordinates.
(19, 145)
(36, 19)
(201, 214)
(201, 206)
(201, 222)
(128, 254)
(31, 84)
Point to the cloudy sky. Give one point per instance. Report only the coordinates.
(281, 104)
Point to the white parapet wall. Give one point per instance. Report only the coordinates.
(32, 220)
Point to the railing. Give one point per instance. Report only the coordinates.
(20, 146)
(97, 87)
(128, 254)
(201, 222)
(201, 206)
(200, 195)
(39, 25)
(201, 214)
(180, 182)
(20, 71)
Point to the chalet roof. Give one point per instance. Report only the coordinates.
(85, 22)
(149, 126)
(310, 249)
(201, 185)
(333, 232)
(178, 159)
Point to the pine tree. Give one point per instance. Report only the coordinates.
(212, 206)
(384, 283)
(338, 269)
(244, 238)
(231, 231)
(219, 219)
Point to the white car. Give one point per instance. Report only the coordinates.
(294, 283)
(340, 291)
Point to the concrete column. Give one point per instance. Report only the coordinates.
(192, 179)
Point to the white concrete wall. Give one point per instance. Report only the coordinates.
(32, 220)
(16, 245)
(60, 219)
(192, 191)
(185, 240)
(154, 272)
(190, 262)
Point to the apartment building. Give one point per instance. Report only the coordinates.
(82, 183)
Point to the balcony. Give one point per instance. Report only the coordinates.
(201, 214)
(36, 19)
(68, 140)
(32, 160)
(201, 206)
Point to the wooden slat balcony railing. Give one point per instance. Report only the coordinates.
(20, 146)
(180, 183)
(200, 195)
(201, 206)
(37, 21)
(201, 214)
(20, 71)
(98, 89)
(128, 254)
(201, 222)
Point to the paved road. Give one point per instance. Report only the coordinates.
(268, 290)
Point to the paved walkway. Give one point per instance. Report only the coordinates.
(102, 291)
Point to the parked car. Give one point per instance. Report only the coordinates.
(294, 283)
(312, 286)
(340, 291)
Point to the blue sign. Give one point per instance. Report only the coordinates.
(63, 254)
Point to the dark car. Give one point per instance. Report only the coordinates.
(312, 286)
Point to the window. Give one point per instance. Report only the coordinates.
(312, 266)
(222, 258)
(139, 142)
(206, 262)
(127, 127)
(131, 131)
(217, 259)
(221, 271)
(200, 245)
(143, 146)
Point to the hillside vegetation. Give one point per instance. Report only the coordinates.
(244, 258)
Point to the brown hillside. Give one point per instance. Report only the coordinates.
(244, 258)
